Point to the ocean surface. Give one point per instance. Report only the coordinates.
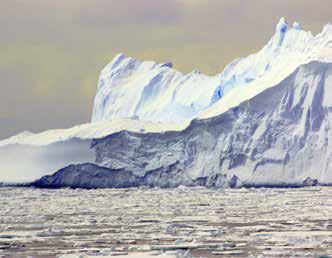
(182, 222)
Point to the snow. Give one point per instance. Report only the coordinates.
(156, 92)
(287, 50)
(296, 26)
(90, 131)
(150, 91)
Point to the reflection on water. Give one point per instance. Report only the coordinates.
(188, 221)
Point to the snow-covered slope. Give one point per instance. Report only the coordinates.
(156, 92)
(150, 91)
(89, 131)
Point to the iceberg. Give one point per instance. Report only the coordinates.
(280, 137)
(264, 121)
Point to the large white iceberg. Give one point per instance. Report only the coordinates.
(280, 137)
(146, 99)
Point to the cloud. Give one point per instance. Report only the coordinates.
(193, 3)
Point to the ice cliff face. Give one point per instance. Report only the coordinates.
(156, 92)
(279, 137)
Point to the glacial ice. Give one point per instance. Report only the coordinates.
(280, 137)
(155, 92)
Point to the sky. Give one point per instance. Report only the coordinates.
(51, 51)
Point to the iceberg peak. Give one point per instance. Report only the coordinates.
(327, 29)
(281, 30)
(196, 71)
(282, 25)
(117, 60)
(296, 26)
(167, 64)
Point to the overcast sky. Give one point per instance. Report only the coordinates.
(51, 51)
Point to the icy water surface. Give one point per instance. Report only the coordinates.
(197, 221)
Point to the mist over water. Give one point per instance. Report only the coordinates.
(25, 163)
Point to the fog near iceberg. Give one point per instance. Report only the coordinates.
(25, 163)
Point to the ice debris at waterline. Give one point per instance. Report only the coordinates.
(264, 121)
(149, 221)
